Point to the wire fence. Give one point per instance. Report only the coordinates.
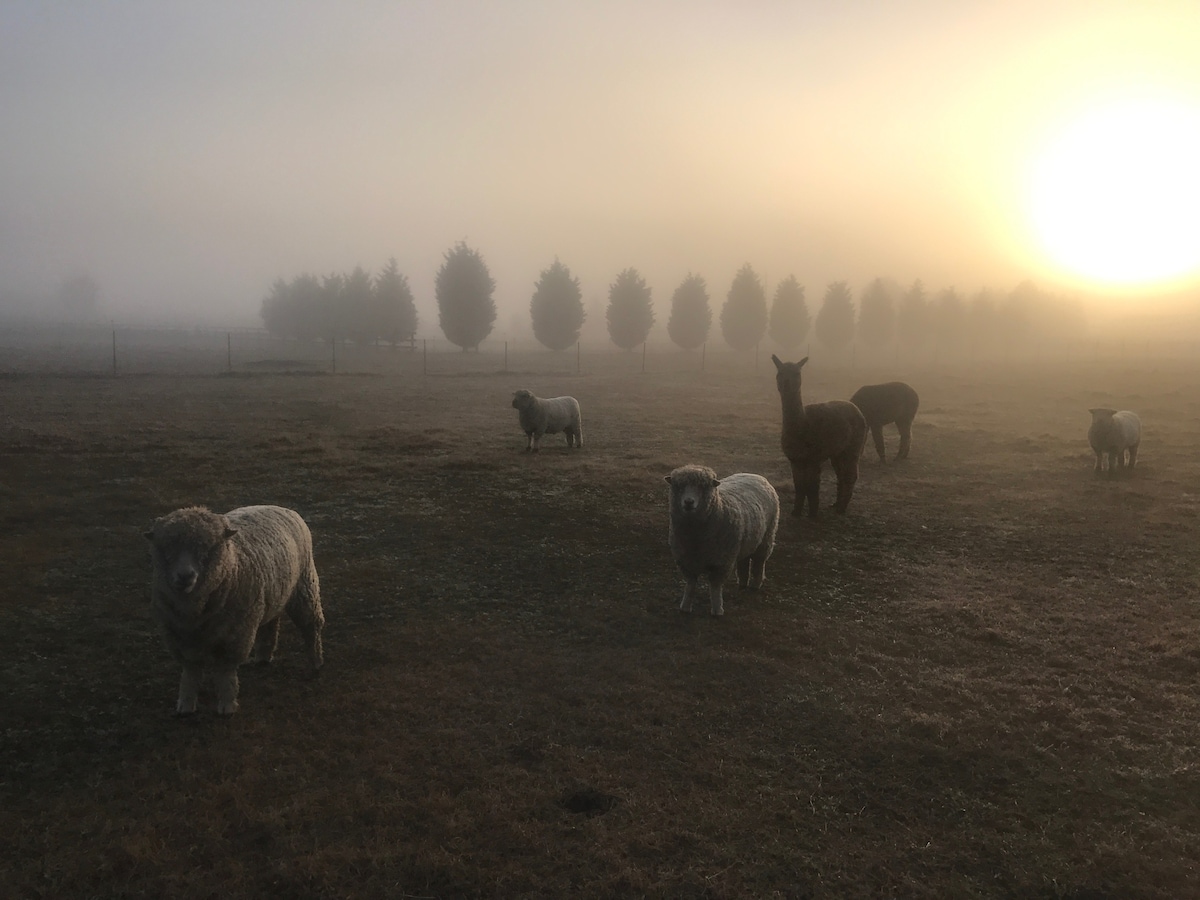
(133, 350)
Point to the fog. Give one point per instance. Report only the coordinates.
(185, 156)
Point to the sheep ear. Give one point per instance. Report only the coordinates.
(148, 535)
(800, 365)
(230, 532)
(775, 359)
(716, 482)
(667, 479)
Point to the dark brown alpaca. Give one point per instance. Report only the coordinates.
(834, 431)
(883, 404)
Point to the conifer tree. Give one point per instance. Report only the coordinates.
(789, 320)
(556, 309)
(835, 320)
(464, 288)
(691, 316)
(744, 315)
(630, 313)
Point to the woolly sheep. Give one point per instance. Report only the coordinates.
(720, 525)
(1111, 434)
(834, 430)
(219, 585)
(548, 416)
(882, 404)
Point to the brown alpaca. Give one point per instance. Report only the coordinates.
(883, 404)
(834, 431)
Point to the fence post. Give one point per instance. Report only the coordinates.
(703, 352)
(643, 357)
(229, 349)
(424, 356)
(506, 356)
(577, 357)
(333, 354)
(114, 350)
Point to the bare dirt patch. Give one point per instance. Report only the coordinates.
(980, 682)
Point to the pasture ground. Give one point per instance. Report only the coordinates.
(981, 682)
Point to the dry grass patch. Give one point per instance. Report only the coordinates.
(980, 682)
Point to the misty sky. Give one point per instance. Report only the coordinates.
(186, 155)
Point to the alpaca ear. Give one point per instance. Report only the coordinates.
(775, 359)
(800, 364)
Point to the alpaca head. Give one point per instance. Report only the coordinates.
(787, 375)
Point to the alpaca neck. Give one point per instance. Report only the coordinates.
(794, 418)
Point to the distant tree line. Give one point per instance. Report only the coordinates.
(369, 309)
(334, 307)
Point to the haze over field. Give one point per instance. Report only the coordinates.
(185, 156)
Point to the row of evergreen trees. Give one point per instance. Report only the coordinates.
(367, 310)
(355, 306)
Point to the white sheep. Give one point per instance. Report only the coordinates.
(219, 586)
(1112, 433)
(720, 525)
(548, 416)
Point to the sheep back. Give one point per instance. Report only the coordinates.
(1112, 433)
(552, 415)
(737, 516)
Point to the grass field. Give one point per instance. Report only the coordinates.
(981, 682)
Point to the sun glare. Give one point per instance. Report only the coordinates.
(1115, 196)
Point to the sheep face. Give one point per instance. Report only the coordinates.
(787, 375)
(187, 546)
(692, 490)
(523, 400)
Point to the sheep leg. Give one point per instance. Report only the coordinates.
(226, 683)
(528, 441)
(304, 608)
(1133, 456)
(758, 572)
(1099, 463)
(743, 572)
(758, 566)
(716, 601)
(904, 426)
(877, 436)
(537, 441)
(689, 594)
(189, 691)
(265, 641)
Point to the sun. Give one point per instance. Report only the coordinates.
(1114, 199)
